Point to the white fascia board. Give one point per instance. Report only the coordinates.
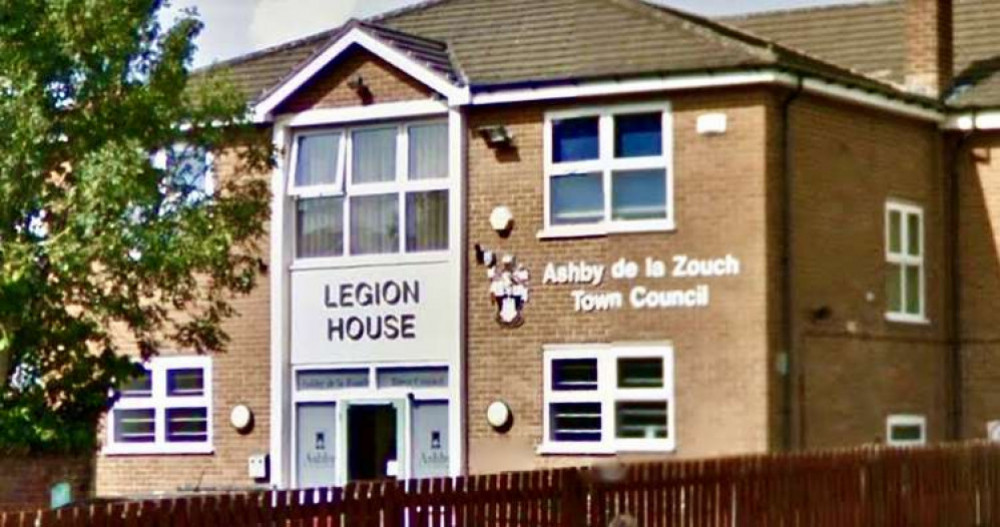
(590, 89)
(456, 95)
(689, 82)
(966, 122)
(837, 91)
(352, 114)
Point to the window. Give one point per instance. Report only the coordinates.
(906, 430)
(167, 410)
(604, 399)
(371, 190)
(905, 296)
(608, 170)
(189, 168)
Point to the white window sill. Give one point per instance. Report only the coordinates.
(592, 449)
(903, 318)
(303, 264)
(604, 229)
(153, 449)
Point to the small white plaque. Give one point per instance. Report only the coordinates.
(712, 124)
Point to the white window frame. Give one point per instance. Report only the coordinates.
(606, 164)
(160, 402)
(906, 420)
(345, 187)
(607, 394)
(903, 258)
(159, 161)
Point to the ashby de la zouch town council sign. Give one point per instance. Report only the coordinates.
(589, 275)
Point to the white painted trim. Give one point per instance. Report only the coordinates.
(904, 258)
(689, 82)
(159, 401)
(607, 394)
(967, 122)
(282, 231)
(356, 36)
(457, 150)
(906, 420)
(353, 114)
(606, 164)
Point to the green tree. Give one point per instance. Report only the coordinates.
(95, 238)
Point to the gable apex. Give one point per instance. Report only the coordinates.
(426, 61)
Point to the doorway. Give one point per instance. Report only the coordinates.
(372, 442)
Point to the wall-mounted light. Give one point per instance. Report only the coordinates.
(498, 415)
(501, 219)
(241, 417)
(496, 136)
(357, 83)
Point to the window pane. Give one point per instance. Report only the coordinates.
(575, 140)
(913, 432)
(316, 441)
(640, 373)
(913, 286)
(894, 288)
(639, 135)
(186, 382)
(574, 374)
(429, 446)
(639, 195)
(187, 425)
(913, 234)
(135, 426)
(375, 224)
(577, 199)
(317, 160)
(374, 155)
(140, 386)
(641, 420)
(575, 421)
(319, 227)
(189, 169)
(429, 151)
(427, 221)
(895, 231)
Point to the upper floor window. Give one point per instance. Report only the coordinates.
(608, 169)
(601, 399)
(378, 189)
(905, 292)
(189, 169)
(166, 410)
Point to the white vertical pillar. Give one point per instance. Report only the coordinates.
(281, 231)
(457, 237)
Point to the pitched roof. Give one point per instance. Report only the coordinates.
(870, 38)
(517, 42)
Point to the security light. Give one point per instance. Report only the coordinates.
(496, 136)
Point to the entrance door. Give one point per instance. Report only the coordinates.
(374, 449)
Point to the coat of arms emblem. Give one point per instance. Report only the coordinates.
(508, 285)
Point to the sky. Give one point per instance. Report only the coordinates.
(236, 27)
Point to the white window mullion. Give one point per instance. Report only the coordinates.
(606, 138)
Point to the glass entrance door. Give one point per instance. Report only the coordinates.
(375, 447)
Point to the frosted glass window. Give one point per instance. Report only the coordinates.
(639, 195)
(576, 199)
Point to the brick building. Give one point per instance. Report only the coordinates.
(529, 233)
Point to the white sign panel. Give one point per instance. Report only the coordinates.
(392, 313)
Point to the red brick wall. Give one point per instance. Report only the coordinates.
(721, 352)
(329, 88)
(25, 482)
(856, 367)
(979, 263)
(241, 376)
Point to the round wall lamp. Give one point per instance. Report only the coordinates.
(241, 417)
(499, 416)
(501, 219)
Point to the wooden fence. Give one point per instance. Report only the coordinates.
(955, 486)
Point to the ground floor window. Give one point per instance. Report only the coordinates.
(906, 430)
(608, 398)
(165, 410)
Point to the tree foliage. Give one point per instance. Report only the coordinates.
(97, 241)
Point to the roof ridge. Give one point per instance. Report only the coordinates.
(806, 9)
(301, 41)
(379, 27)
(405, 10)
